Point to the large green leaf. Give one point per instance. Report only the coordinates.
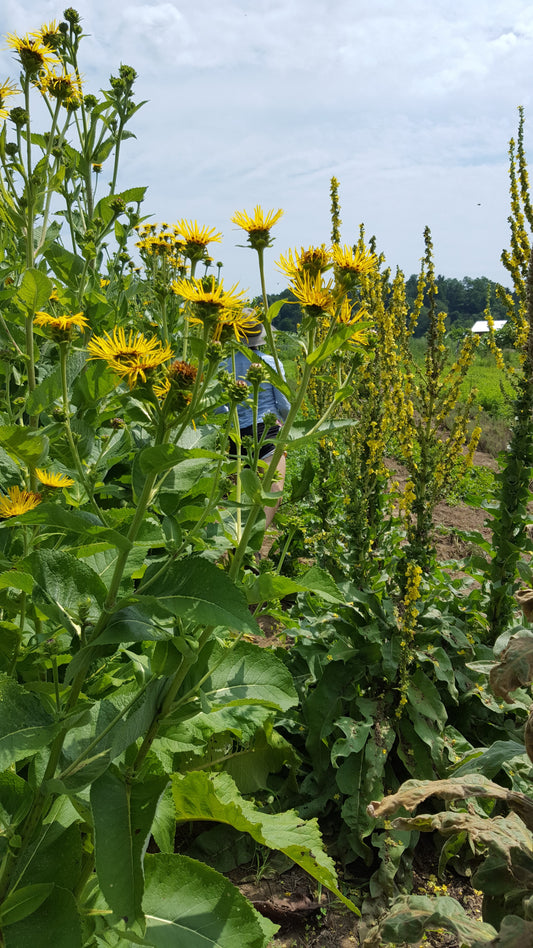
(64, 586)
(24, 444)
(214, 797)
(25, 726)
(23, 901)
(55, 923)
(66, 265)
(72, 521)
(34, 290)
(50, 388)
(242, 675)
(123, 814)
(189, 905)
(196, 590)
(270, 586)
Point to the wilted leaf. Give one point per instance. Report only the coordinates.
(515, 667)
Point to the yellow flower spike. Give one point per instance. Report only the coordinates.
(32, 52)
(49, 479)
(133, 357)
(6, 89)
(18, 502)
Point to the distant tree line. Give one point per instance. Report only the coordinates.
(463, 300)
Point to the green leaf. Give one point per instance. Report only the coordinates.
(425, 699)
(50, 389)
(66, 265)
(300, 434)
(25, 726)
(56, 922)
(331, 344)
(489, 760)
(190, 905)
(34, 290)
(71, 521)
(123, 814)
(269, 586)
(200, 592)
(24, 444)
(138, 623)
(243, 675)
(12, 579)
(159, 458)
(23, 902)
(214, 797)
(63, 586)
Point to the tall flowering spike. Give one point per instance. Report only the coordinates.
(6, 89)
(133, 358)
(32, 52)
(335, 212)
(18, 502)
(257, 227)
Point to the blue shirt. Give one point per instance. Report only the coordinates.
(270, 399)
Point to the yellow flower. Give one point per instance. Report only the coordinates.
(313, 294)
(49, 34)
(33, 53)
(313, 260)
(6, 89)
(61, 327)
(65, 87)
(49, 479)
(132, 357)
(239, 321)
(210, 292)
(18, 502)
(196, 238)
(257, 227)
(353, 260)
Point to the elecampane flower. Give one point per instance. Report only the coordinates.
(132, 356)
(6, 89)
(209, 291)
(49, 34)
(313, 261)
(237, 321)
(259, 222)
(18, 502)
(49, 479)
(353, 260)
(194, 234)
(33, 54)
(312, 293)
(65, 87)
(62, 323)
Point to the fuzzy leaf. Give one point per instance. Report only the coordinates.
(214, 797)
(190, 905)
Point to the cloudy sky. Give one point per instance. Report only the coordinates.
(410, 105)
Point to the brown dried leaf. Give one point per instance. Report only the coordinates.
(515, 667)
(414, 792)
(525, 601)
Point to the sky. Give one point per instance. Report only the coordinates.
(410, 105)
